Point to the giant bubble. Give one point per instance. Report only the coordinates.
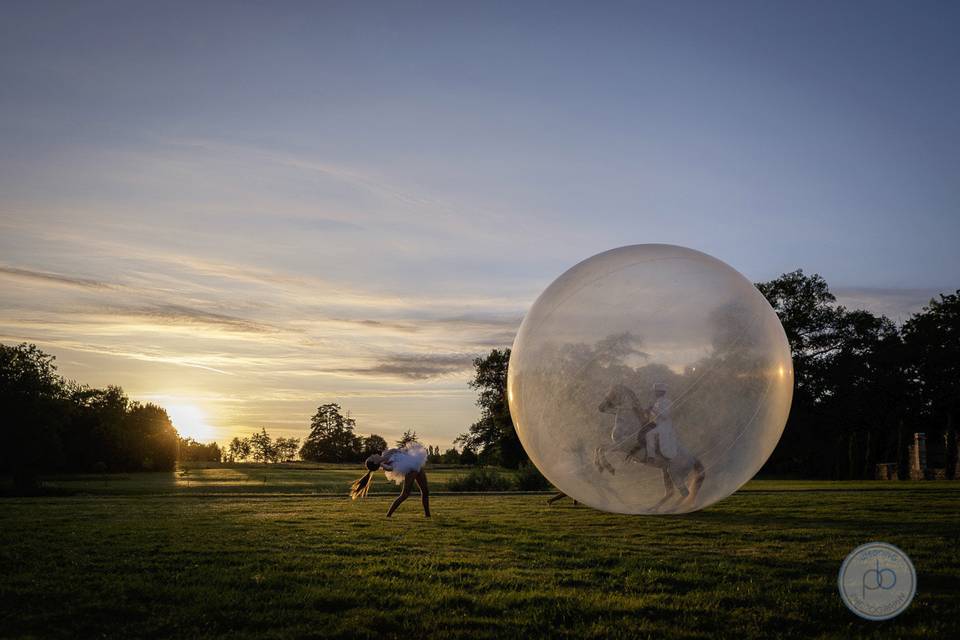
(650, 379)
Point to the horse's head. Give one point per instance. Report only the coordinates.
(618, 397)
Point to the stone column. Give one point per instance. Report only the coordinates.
(918, 457)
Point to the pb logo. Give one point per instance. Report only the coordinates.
(877, 581)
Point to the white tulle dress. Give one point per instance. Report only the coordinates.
(410, 457)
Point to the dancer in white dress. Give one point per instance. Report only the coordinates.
(403, 465)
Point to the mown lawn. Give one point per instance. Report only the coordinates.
(285, 564)
(238, 479)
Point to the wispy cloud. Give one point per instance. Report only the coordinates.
(51, 278)
(896, 304)
(415, 366)
(256, 304)
(178, 314)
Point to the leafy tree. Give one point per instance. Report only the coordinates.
(261, 446)
(494, 434)
(32, 398)
(450, 456)
(372, 444)
(809, 316)
(153, 438)
(96, 437)
(193, 451)
(932, 356)
(286, 448)
(239, 449)
(848, 400)
(331, 437)
(468, 456)
(407, 437)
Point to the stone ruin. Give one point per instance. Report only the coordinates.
(920, 468)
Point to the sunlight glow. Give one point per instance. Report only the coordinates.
(190, 422)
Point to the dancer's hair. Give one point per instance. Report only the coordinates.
(361, 486)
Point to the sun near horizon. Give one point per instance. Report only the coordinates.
(190, 421)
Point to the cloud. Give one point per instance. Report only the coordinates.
(896, 304)
(145, 355)
(415, 366)
(403, 327)
(295, 223)
(358, 179)
(48, 277)
(178, 314)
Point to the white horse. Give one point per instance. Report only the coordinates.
(632, 423)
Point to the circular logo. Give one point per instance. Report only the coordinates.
(877, 581)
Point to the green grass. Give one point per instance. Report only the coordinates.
(238, 479)
(288, 562)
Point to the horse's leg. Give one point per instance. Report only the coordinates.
(596, 459)
(699, 475)
(680, 467)
(610, 467)
(667, 489)
(602, 463)
(634, 454)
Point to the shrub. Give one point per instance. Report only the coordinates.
(481, 479)
(529, 478)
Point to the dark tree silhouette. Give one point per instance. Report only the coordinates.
(408, 436)
(372, 444)
(331, 437)
(932, 354)
(261, 446)
(239, 449)
(493, 435)
(286, 448)
(32, 405)
(193, 451)
(53, 425)
(450, 456)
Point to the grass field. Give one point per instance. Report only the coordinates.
(223, 553)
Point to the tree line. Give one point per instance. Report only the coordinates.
(53, 425)
(261, 447)
(333, 438)
(50, 424)
(863, 386)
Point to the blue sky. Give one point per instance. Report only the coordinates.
(254, 209)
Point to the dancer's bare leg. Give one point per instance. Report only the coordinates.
(404, 494)
(421, 480)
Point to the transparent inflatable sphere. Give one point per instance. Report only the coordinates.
(650, 379)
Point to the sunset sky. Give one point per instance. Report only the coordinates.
(242, 212)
